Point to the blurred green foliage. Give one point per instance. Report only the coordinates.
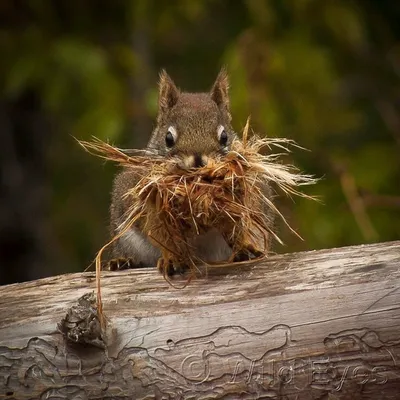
(323, 73)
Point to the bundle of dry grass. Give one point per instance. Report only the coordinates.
(173, 206)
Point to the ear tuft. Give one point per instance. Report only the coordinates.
(168, 93)
(220, 89)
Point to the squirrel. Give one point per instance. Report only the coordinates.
(191, 127)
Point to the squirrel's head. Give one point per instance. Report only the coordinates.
(193, 126)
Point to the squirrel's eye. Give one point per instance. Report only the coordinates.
(222, 136)
(170, 137)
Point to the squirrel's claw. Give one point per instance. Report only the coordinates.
(119, 264)
(247, 254)
(170, 268)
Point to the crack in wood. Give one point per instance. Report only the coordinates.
(381, 298)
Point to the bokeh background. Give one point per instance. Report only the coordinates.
(324, 73)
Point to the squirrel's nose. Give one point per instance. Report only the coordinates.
(198, 161)
(194, 161)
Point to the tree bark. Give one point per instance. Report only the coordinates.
(313, 325)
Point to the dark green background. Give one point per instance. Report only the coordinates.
(324, 73)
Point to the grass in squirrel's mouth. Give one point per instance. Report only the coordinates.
(171, 204)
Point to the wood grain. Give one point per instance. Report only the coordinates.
(313, 325)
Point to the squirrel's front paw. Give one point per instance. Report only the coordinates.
(118, 264)
(170, 268)
(247, 254)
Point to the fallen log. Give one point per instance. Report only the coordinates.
(313, 325)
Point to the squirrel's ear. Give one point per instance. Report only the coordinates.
(168, 93)
(220, 90)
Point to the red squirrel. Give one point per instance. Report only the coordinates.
(191, 127)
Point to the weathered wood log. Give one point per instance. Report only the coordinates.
(314, 325)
